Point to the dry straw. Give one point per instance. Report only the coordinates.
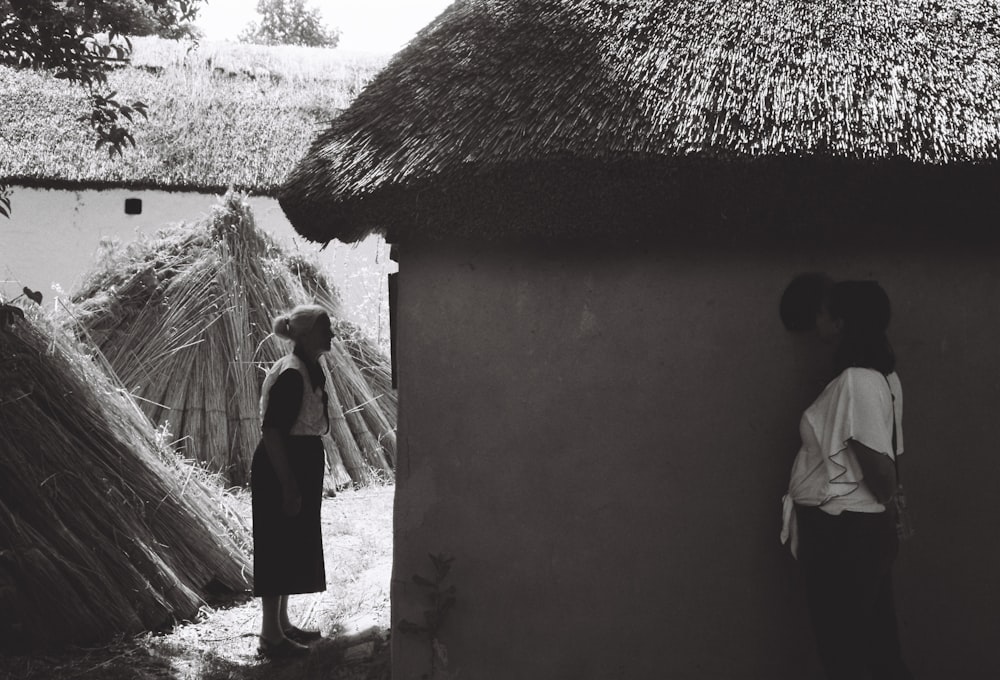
(221, 114)
(498, 86)
(103, 528)
(184, 319)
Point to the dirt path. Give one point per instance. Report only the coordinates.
(353, 613)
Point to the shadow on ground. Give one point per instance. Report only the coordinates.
(361, 656)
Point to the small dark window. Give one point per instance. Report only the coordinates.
(133, 206)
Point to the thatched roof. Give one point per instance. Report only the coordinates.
(220, 115)
(103, 528)
(184, 319)
(503, 96)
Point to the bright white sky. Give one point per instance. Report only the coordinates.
(378, 26)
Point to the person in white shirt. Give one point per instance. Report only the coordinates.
(838, 517)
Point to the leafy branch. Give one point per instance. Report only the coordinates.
(105, 115)
(440, 600)
(9, 313)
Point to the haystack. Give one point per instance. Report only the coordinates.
(184, 318)
(103, 528)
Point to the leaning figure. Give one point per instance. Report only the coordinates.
(839, 513)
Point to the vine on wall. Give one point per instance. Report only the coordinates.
(440, 600)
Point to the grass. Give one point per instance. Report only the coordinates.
(353, 613)
(220, 115)
(279, 62)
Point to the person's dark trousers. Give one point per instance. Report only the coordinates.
(847, 567)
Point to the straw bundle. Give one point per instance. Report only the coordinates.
(373, 366)
(184, 319)
(103, 528)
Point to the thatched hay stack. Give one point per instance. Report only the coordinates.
(185, 321)
(103, 528)
(555, 117)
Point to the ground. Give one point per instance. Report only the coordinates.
(221, 644)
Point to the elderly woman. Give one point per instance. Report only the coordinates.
(286, 480)
(838, 511)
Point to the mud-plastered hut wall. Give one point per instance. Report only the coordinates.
(602, 443)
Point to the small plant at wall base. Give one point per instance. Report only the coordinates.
(4, 200)
(440, 601)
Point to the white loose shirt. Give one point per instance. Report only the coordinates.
(857, 405)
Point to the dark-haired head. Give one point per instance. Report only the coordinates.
(803, 300)
(861, 311)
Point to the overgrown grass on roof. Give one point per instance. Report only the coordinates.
(283, 62)
(220, 115)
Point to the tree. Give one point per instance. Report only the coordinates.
(81, 41)
(139, 18)
(288, 22)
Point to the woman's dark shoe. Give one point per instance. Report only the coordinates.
(285, 649)
(302, 636)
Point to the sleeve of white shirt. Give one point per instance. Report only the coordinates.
(859, 408)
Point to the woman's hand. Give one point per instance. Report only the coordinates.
(878, 469)
(292, 501)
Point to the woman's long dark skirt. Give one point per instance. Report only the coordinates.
(847, 563)
(288, 551)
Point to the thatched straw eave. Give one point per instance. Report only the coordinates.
(141, 184)
(492, 86)
(810, 200)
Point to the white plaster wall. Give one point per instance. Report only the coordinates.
(52, 236)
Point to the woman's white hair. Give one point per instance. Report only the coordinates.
(292, 325)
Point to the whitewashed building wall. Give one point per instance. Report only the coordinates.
(52, 237)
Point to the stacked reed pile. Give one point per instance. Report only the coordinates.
(103, 528)
(185, 321)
